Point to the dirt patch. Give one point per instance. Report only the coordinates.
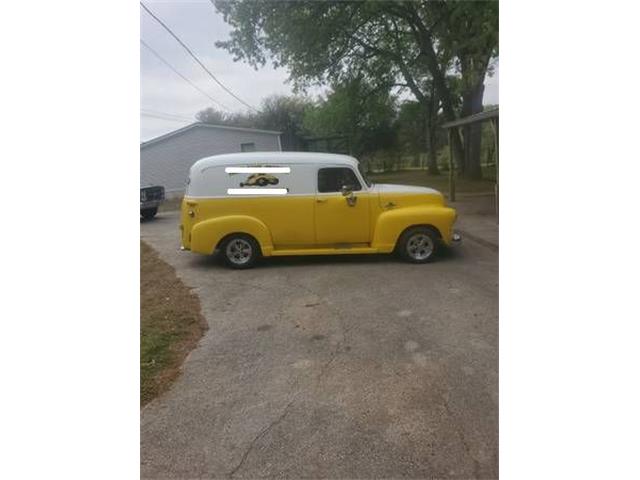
(171, 323)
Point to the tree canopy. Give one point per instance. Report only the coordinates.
(277, 112)
(358, 112)
(440, 51)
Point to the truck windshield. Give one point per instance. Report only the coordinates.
(364, 176)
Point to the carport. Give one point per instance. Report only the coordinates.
(452, 129)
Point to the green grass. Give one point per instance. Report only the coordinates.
(439, 182)
(170, 324)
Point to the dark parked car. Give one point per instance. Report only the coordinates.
(150, 199)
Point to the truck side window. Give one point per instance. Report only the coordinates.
(333, 179)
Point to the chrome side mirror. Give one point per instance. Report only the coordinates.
(347, 192)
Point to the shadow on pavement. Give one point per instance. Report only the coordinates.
(215, 261)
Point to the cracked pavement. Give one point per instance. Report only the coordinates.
(332, 367)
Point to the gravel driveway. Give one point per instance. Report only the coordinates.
(332, 367)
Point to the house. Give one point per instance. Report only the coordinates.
(166, 160)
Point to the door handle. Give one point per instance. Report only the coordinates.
(321, 200)
(390, 205)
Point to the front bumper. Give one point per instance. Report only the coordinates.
(150, 204)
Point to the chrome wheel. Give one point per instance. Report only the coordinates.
(420, 246)
(239, 251)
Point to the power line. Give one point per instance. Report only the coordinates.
(196, 58)
(159, 57)
(174, 115)
(165, 116)
(162, 118)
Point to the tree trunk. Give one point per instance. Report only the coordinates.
(432, 164)
(472, 104)
(431, 113)
(442, 91)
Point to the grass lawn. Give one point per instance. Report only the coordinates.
(439, 182)
(170, 324)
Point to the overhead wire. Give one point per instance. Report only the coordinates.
(175, 70)
(193, 55)
(165, 116)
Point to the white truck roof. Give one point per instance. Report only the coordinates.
(280, 158)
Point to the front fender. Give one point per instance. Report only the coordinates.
(392, 223)
(206, 235)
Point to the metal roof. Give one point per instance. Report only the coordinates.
(205, 125)
(280, 158)
(478, 117)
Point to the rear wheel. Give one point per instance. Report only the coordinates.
(149, 213)
(240, 251)
(418, 244)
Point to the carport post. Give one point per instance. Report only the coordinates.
(452, 178)
(494, 125)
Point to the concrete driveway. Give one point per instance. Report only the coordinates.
(332, 367)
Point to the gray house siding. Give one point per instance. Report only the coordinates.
(167, 161)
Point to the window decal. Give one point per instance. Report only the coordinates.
(258, 181)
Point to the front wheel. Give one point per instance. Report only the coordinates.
(149, 213)
(418, 245)
(240, 251)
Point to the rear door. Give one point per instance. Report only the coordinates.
(337, 221)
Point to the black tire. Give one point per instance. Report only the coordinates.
(149, 213)
(244, 257)
(410, 249)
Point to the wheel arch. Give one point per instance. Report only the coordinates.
(232, 234)
(206, 236)
(428, 226)
(392, 224)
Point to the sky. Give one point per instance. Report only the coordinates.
(163, 93)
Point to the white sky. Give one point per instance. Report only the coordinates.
(200, 26)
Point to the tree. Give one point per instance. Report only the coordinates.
(216, 117)
(355, 110)
(285, 114)
(281, 113)
(403, 44)
(412, 131)
(470, 31)
(411, 128)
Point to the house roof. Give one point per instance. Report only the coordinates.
(204, 125)
(280, 158)
(478, 117)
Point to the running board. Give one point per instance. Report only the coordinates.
(323, 251)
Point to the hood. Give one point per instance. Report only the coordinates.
(392, 188)
(407, 195)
